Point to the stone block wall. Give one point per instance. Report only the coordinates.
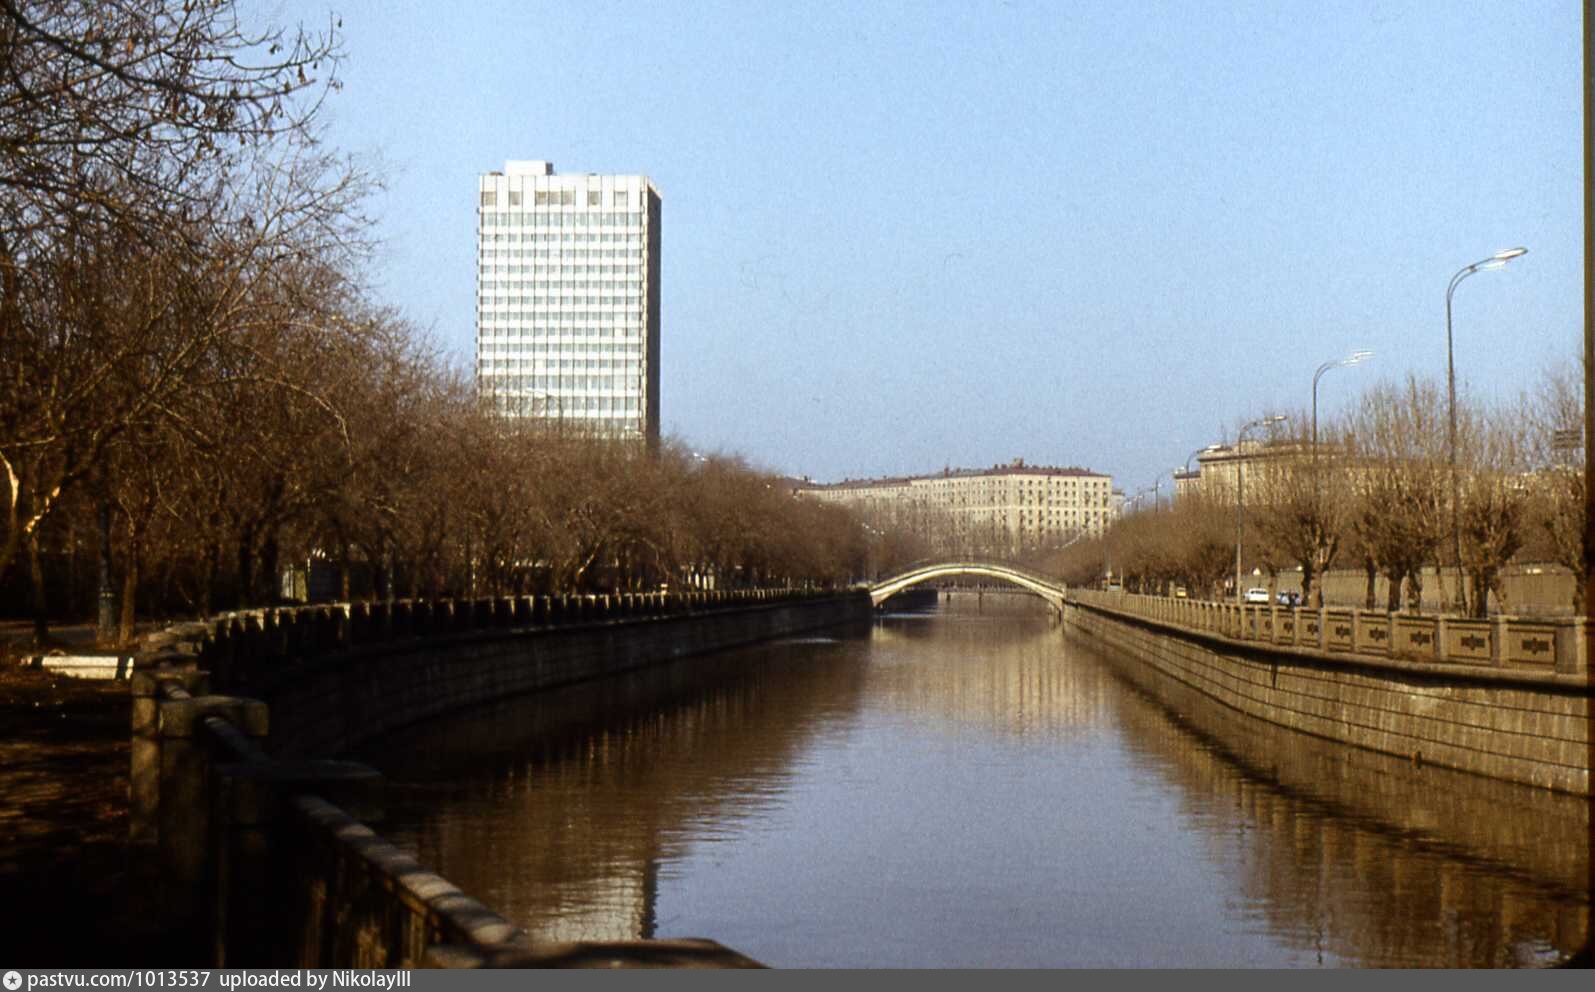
(1530, 727)
(328, 704)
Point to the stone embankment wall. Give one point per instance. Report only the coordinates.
(336, 675)
(1501, 698)
(260, 837)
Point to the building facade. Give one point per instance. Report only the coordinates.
(567, 298)
(1221, 466)
(997, 511)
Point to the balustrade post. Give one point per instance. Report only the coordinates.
(1571, 638)
(1498, 642)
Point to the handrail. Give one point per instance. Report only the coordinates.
(1047, 588)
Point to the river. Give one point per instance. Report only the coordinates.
(969, 787)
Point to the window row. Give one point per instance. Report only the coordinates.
(498, 300)
(577, 359)
(633, 220)
(572, 246)
(636, 244)
(626, 340)
(567, 403)
(516, 280)
(567, 256)
(619, 198)
(549, 275)
(566, 380)
(617, 323)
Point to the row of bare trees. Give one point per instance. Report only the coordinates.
(1379, 493)
(198, 389)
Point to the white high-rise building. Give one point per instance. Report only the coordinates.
(567, 298)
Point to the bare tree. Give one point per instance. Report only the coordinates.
(1555, 441)
(1302, 508)
(1395, 446)
(152, 170)
(1494, 492)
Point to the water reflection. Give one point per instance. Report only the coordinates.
(1012, 686)
(973, 788)
(559, 809)
(1366, 859)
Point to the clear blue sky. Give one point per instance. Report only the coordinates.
(903, 236)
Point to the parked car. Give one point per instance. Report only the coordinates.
(1256, 594)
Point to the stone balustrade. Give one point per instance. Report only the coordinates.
(1546, 646)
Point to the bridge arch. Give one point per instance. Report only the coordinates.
(1042, 586)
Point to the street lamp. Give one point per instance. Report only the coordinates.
(1240, 491)
(1199, 451)
(1139, 493)
(1186, 472)
(1355, 358)
(1495, 261)
(1157, 484)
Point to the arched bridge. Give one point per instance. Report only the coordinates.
(1048, 589)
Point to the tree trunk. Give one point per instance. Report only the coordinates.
(208, 571)
(1393, 596)
(39, 597)
(246, 566)
(270, 569)
(385, 573)
(105, 625)
(343, 571)
(1486, 581)
(126, 626)
(1370, 590)
(74, 600)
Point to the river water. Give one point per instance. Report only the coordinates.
(970, 787)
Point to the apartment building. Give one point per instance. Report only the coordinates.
(1005, 509)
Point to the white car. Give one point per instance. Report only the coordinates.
(1256, 595)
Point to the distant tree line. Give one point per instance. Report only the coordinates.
(1378, 494)
(197, 387)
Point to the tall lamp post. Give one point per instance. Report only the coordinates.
(1199, 451)
(1240, 491)
(1355, 358)
(1186, 472)
(1157, 484)
(1495, 261)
